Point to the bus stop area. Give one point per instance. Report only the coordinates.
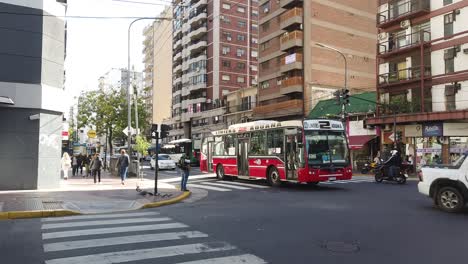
(79, 195)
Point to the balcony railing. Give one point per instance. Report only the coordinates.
(292, 38)
(290, 17)
(240, 108)
(404, 41)
(290, 107)
(398, 10)
(291, 62)
(403, 75)
(294, 81)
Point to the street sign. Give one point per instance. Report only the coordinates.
(392, 137)
(132, 131)
(92, 134)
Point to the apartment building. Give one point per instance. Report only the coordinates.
(294, 72)
(422, 63)
(148, 62)
(214, 53)
(240, 105)
(117, 79)
(31, 92)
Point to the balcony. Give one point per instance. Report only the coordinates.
(245, 107)
(193, 60)
(291, 17)
(398, 11)
(195, 19)
(403, 43)
(291, 62)
(178, 44)
(407, 75)
(197, 47)
(177, 80)
(195, 4)
(291, 40)
(198, 33)
(286, 108)
(178, 69)
(178, 57)
(292, 85)
(289, 3)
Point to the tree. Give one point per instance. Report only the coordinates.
(142, 145)
(106, 111)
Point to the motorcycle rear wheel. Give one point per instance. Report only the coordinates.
(401, 179)
(378, 178)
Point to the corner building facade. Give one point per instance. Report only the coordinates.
(215, 50)
(295, 73)
(422, 62)
(32, 53)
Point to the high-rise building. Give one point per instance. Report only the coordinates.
(422, 78)
(162, 67)
(118, 79)
(294, 72)
(215, 52)
(148, 61)
(32, 54)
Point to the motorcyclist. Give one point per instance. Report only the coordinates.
(394, 163)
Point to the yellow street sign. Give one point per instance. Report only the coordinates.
(91, 134)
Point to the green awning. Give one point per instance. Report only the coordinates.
(358, 104)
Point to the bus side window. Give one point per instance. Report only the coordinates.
(275, 140)
(258, 143)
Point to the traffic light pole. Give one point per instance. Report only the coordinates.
(156, 167)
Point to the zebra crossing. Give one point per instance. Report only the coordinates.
(121, 237)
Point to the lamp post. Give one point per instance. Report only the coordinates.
(346, 72)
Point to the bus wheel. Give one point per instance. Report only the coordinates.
(274, 177)
(220, 172)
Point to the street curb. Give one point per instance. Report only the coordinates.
(36, 214)
(177, 199)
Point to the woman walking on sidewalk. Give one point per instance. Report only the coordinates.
(96, 166)
(66, 164)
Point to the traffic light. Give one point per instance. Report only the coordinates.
(337, 96)
(165, 131)
(345, 96)
(398, 136)
(154, 131)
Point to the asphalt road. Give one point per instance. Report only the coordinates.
(359, 222)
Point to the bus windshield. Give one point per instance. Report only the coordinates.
(326, 148)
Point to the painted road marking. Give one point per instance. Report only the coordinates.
(208, 187)
(253, 185)
(190, 177)
(142, 254)
(99, 216)
(105, 222)
(101, 242)
(241, 259)
(226, 185)
(111, 230)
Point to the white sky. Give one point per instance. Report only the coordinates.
(95, 46)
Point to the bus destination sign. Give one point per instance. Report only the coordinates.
(323, 125)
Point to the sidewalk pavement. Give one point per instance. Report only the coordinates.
(79, 195)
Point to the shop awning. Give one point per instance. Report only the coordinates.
(357, 142)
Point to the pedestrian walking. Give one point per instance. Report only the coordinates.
(96, 166)
(79, 160)
(74, 165)
(122, 164)
(184, 165)
(87, 164)
(66, 164)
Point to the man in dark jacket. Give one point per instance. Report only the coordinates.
(394, 163)
(184, 165)
(96, 166)
(122, 164)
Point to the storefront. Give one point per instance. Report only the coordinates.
(436, 143)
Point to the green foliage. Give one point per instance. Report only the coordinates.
(142, 145)
(106, 111)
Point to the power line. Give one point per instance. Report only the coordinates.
(84, 17)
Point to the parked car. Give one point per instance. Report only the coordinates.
(447, 185)
(164, 162)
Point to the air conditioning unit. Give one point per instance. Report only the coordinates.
(266, 10)
(383, 36)
(405, 24)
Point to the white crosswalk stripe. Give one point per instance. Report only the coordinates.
(204, 176)
(252, 185)
(106, 222)
(226, 185)
(212, 188)
(103, 247)
(100, 216)
(347, 181)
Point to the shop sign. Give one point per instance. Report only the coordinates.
(432, 130)
(429, 150)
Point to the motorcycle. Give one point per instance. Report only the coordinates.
(368, 166)
(382, 173)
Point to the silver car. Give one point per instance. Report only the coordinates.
(164, 162)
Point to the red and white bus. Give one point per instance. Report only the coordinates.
(308, 151)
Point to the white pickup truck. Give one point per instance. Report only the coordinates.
(447, 185)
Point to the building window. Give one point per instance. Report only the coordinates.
(254, 67)
(240, 52)
(266, 26)
(226, 6)
(448, 24)
(226, 77)
(241, 37)
(241, 24)
(226, 64)
(254, 13)
(226, 19)
(240, 65)
(254, 54)
(254, 27)
(255, 40)
(226, 50)
(240, 79)
(450, 91)
(227, 36)
(265, 65)
(265, 85)
(240, 9)
(449, 58)
(265, 7)
(448, 2)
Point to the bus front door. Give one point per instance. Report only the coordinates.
(290, 156)
(242, 158)
(210, 156)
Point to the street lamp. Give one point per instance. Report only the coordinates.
(346, 70)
